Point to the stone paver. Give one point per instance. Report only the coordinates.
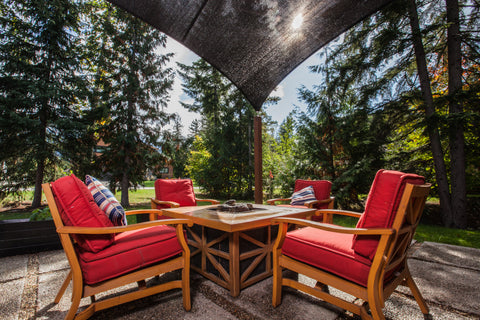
(14, 267)
(400, 307)
(448, 277)
(445, 284)
(468, 258)
(10, 300)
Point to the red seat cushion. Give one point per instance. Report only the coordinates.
(381, 207)
(78, 208)
(177, 190)
(328, 251)
(131, 250)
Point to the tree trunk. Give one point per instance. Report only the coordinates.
(258, 158)
(37, 193)
(436, 147)
(124, 184)
(250, 162)
(457, 140)
(331, 156)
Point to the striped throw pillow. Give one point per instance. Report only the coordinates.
(106, 201)
(301, 196)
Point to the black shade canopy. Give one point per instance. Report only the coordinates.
(256, 44)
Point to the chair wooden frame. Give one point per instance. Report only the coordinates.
(171, 204)
(308, 204)
(81, 290)
(327, 218)
(391, 255)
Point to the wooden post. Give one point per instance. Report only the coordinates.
(257, 128)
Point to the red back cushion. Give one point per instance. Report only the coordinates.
(322, 189)
(381, 207)
(77, 208)
(177, 190)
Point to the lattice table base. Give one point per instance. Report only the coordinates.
(234, 260)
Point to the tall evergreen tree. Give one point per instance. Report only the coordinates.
(179, 149)
(40, 89)
(377, 60)
(429, 106)
(131, 90)
(227, 131)
(340, 140)
(279, 161)
(456, 112)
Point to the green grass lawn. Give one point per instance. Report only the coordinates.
(148, 184)
(140, 199)
(466, 238)
(138, 196)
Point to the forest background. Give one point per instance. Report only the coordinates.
(400, 91)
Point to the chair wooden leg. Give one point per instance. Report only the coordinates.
(375, 302)
(64, 286)
(327, 218)
(76, 297)
(187, 304)
(277, 283)
(364, 314)
(416, 293)
(376, 311)
(142, 284)
(322, 287)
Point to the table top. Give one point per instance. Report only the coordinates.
(210, 216)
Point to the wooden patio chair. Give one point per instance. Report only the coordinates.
(174, 193)
(103, 258)
(320, 199)
(368, 261)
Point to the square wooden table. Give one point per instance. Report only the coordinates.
(233, 249)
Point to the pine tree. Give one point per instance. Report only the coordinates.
(279, 159)
(40, 89)
(131, 91)
(377, 60)
(178, 148)
(226, 134)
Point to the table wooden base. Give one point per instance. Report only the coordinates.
(234, 260)
(233, 249)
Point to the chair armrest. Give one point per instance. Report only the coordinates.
(272, 201)
(312, 203)
(119, 229)
(143, 211)
(340, 212)
(170, 204)
(208, 200)
(334, 228)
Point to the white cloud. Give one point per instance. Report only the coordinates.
(278, 92)
(286, 90)
(184, 56)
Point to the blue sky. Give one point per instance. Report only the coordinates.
(286, 90)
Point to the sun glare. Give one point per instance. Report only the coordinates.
(297, 21)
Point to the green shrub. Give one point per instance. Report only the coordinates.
(41, 214)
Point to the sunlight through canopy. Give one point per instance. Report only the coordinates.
(255, 44)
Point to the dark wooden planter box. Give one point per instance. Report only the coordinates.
(22, 236)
